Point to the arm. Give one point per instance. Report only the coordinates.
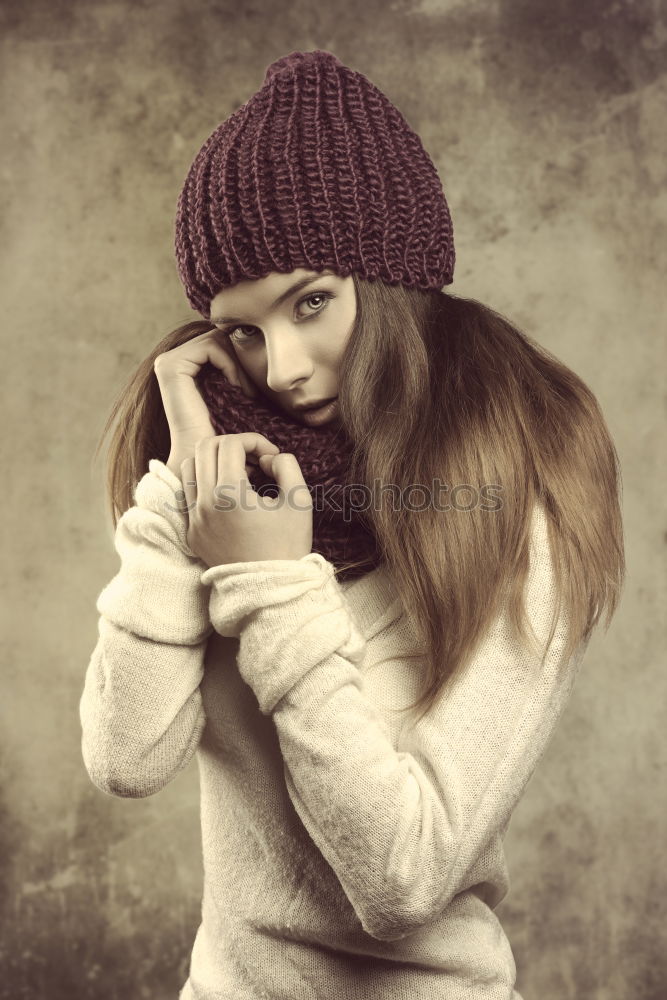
(141, 712)
(401, 826)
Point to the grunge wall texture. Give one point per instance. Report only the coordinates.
(546, 119)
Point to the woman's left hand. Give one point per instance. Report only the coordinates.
(228, 521)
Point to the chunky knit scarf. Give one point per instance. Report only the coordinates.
(341, 533)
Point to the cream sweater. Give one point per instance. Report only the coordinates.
(348, 853)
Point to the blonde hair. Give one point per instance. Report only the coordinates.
(435, 386)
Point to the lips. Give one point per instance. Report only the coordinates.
(316, 406)
(321, 414)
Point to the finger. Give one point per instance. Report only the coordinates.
(223, 360)
(224, 352)
(231, 465)
(252, 462)
(206, 467)
(248, 386)
(256, 444)
(187, 358)
(257, 449)
(210, 346)
(286, 471)
(188, 478)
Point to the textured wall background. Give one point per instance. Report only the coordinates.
(546, 119)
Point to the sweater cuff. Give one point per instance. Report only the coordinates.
(157, 592)
(289, 614)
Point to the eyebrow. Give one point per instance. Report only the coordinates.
(292, 290)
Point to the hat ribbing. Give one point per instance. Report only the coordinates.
(318, 169)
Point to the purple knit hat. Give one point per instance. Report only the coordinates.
(318, 169)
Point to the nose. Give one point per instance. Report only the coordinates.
(286, 360)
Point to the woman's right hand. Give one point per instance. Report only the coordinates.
(186, 411)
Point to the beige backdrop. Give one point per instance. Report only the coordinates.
(546, 120)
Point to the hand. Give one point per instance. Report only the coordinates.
(245, 527)
(186, 411)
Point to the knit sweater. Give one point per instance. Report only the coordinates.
(348, 852)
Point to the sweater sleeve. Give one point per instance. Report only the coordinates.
(141, 711)
(402, 822)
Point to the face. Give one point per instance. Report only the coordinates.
(288, 332)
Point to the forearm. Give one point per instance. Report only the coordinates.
(141, 712)
(374, 812)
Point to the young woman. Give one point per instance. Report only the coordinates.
(370, 681)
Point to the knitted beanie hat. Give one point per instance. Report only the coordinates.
(318, 169)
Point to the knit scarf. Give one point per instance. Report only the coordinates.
(340, 531)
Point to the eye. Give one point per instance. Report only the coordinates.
(318, 295)
(232, 331)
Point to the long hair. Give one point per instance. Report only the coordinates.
(436, 388)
